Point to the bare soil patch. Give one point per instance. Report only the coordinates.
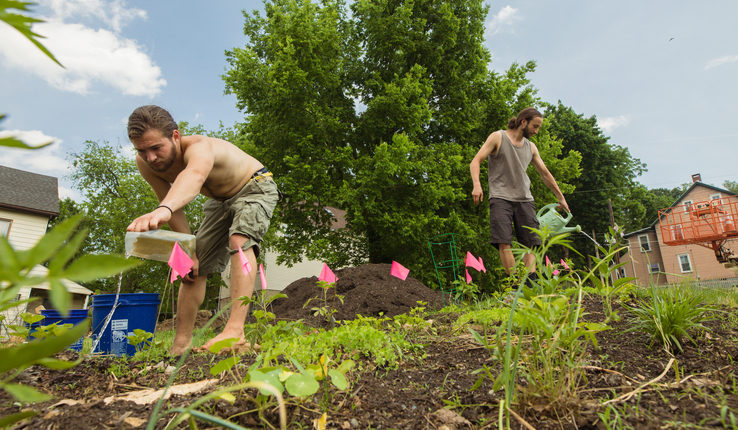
(413, 396)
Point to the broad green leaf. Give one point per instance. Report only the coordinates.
(346, 366)
(31, 352)
(14, 418)
(50, 243)
(225, 343)
(91, 267)
(338, 379)
(301, 385)
(285, 375)
(478, 383)
(55, 364)
(26, 394)
(11, 142)
(67, 252)
(31, 318)
(478, 337)
(223, 365)
(59, 296)
(9, 260)
(269, 378)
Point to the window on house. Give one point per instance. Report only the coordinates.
(685, 264)
(715, 196)
(4, 227)
(621, 272)
(687, 204)
(645, 245)
(653, 268)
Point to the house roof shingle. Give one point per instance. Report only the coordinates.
(21, 190)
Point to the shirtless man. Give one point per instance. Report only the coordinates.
(508, 154)
(242, 200)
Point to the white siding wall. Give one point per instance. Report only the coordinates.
(279, 277)
(26, 229)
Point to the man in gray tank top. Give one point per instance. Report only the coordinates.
(508, 154)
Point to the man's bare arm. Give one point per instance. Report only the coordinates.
(547, 177)
(490, 146)
(198, 160)
(156, 218)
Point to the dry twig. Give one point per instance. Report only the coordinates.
(628, 396)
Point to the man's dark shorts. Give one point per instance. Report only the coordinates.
(503, 214)
(248, 213)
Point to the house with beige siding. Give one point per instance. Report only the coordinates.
(28, 202)
(653, 259)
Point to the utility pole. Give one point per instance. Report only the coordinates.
(612, 224)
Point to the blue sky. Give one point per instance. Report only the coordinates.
(660, 76)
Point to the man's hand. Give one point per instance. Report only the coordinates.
(190, 277)
(151, 221)
(477, 194)
(563, 204)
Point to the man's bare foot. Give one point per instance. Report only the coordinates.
(226, 334)
(178, 349)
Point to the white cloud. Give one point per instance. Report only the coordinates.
(115, 14)
(720, 61)
(65, 192)
(45, 161)
(609, 124)
(90, 56)
(503, 21)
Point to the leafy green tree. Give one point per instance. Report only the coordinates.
(610, 173)
(657, 199)
(731, 186)
(378, 111)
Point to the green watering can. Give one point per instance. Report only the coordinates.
(548, 216)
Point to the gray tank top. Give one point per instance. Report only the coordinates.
(507, 177)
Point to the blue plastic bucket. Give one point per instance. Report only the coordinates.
(52, 316)
(133, 311)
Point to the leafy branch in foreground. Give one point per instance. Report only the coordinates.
(56, 249)
(23, 23)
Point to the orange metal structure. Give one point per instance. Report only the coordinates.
(709, 224)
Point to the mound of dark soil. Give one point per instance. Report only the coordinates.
(368, 290)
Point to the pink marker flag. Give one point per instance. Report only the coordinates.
(563, 263)
(245, 265)
(180, 262)
(548, 262)
(263, 277)
(473, 262)
(327, 275)
(398, 271)
(468, 277)
(481, 263)
(556, 272)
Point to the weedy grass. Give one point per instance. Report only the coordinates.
(671, 314)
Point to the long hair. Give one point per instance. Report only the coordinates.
(526, 114)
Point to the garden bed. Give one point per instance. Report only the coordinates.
(437, 376)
